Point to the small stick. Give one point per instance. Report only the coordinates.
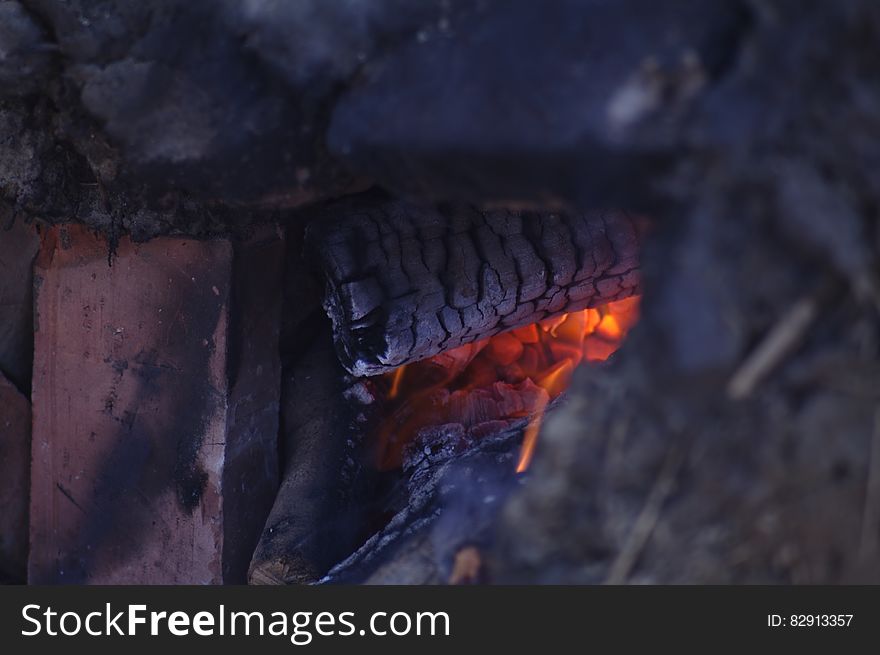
(647, 519)
(782, 339)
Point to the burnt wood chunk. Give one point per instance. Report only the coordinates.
(15, 458)
(320, 506)
(156, 407)
(405, 282)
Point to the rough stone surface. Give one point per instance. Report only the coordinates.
(539, 103)
(155, 405)
(176, 116)
(25, 60)
(15, 456)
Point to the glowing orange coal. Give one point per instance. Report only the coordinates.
(511, 375)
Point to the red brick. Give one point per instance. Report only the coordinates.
(15, 455)
(18, 246)
(155, 408)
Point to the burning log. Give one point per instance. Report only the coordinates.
(482, 385)
(405, 282)
(447, 500)
(452, 426)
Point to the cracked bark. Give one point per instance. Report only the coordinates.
(405, 281)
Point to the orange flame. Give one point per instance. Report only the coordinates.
(396, 377)
(514, 374)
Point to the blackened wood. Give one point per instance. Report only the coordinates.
(405, 282)
(15, 460)
(447, 498)
(318, 512)
(18, 247)
(251, 468)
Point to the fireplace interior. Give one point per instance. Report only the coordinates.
(454, 331)
(440, 292)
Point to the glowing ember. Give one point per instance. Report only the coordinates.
(512, 375)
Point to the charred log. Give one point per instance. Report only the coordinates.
(448, 499)
(405, 282)
(317, 513)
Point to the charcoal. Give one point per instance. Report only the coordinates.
(391, 304)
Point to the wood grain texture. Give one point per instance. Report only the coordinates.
(154, 455)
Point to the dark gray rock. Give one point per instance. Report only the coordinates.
(25, 51)
(172, 116)
(537, 102)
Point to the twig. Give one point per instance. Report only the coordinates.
(870, 539)
(783, 337)
(647, 519)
